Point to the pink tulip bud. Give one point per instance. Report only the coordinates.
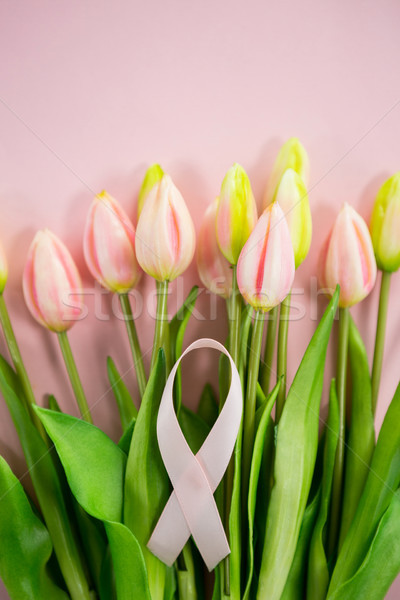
(3, 269)
(51, 283)
(165, 235)
(214, 270)
(109, 245)
(347, 258)
(265, 270)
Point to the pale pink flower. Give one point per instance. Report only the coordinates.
(109, 245)
(51, 283)
(265, 269)
(165, 236)
(214, 269)
(347, 258)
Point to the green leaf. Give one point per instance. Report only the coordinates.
(25, 546)
(245, 336)
(93, 464)
(296, 450)
(295, 587)
(318, 573)
(208, 406)
(46, 484)
(179, 322)
(253, 482)
(91, 531)
(177, 328)
(382, 563)
(361, 440)
(382, 481)
(126, 438)
(194, 428)
(235, 534)
(128, 561)
(147, 486)
(127, 409)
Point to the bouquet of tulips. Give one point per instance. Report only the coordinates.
(250, 485)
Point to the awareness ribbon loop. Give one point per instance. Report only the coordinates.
(191, 508)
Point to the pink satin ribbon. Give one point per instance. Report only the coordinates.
(191, 508)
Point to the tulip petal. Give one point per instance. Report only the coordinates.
(265, 269)
(165, 236)
(51, 283)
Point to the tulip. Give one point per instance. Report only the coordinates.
(265, 273)
(265, 269)
(292, 197)
(385, 232)
(348, 258)
(152, 176)
(292, 155)
(51, 283)
(3, 269)
(214, 270)
(109, 245)
(385, 225)
(165, 235)
(236, 213)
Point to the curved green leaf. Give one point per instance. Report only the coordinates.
(318, 573)
(295, 586)
(253, 482)
(126, 438)
(296, 450)
(25, 546)
(128, 562)
(235, 539)
(382, 481)
(179, 322)
(46, 484)
(177, 328)
(361, 440)
(126, 408)
(208, 406)
(382, 563)
(93, 464)
(194, 428)
(147, 486)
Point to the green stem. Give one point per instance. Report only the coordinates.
(234, 314)
(282, 355)
(341, 376)
(380, 337)
(266, 368)
(161, 332)
(74, 377)
(250, 404)
(28, 396)
(134, 342)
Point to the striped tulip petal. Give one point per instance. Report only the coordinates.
(165, 236)
(265, 269)
(236, 213)
(347, 258)
(214, 270)
(109, 245)
(292, 155)
(385, 225)
(51, 283)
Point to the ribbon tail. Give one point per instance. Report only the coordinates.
(170, 534)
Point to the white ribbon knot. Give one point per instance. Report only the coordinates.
(191, 508)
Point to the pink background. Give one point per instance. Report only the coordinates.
(91, 93)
